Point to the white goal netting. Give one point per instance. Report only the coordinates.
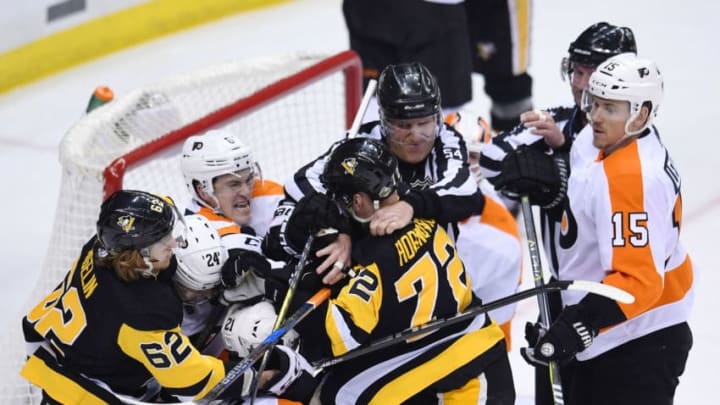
(288, 109)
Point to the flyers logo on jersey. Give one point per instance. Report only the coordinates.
(349, 164)
(126, 222)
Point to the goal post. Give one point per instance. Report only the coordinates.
(347, 61)
(288, 109)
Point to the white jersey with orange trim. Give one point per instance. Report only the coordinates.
(266, 195)
(622, 227)
(489, 245)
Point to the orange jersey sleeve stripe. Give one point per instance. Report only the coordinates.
(211, 215)
(498, 217)
(266, 187)
(678, 282)
(633, 267)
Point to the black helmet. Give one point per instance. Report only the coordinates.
(599, 42)
(134, 220)
(360, 165)
(407, 90)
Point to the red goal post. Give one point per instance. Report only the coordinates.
(288, 109)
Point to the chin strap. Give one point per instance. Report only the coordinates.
(376, 206)
(148, 271)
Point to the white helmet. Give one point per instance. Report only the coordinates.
(627, 77)
(476, 136)
(477, 141)
(246, 326)
(213, 154)
(200, 261)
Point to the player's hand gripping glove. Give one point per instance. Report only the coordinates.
(241, 262)
(530, 171)
(567, 336)
(295, 379)
(315, 214)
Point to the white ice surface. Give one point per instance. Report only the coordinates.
(679, 36)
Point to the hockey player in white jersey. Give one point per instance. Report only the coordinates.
(227, 188)
(622, 227)
(521, 154)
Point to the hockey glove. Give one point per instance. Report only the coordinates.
(532, 172)
(295, 379)
(314, 214)
(567, 336)
(533, 331)
(240, 262)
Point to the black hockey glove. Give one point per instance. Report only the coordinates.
(310, 282)
(312, 214)
(542, 177)
(240, 262)
(295, 379)
(567, 336)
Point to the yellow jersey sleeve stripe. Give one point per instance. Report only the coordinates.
(463, 350)
(57, 385)
(171, 358)
(359, 302)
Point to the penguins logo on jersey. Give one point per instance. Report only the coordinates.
(126, 222)
(349, 165)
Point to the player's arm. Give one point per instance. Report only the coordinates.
(354, 313)
(178, 367)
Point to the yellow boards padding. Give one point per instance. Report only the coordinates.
(111, 33)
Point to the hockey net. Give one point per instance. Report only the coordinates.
(288, 109)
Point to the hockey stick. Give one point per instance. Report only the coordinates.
(471, 312)
(543, 304)
(369, 92)
(292, 287)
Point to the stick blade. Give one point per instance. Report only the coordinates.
(605, 290)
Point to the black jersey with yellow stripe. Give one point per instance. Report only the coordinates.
(121, 334)
(405, 279)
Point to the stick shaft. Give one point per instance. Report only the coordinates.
(538, 279)
(311, 304)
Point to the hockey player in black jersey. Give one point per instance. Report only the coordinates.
(404, 279)
(111, 329)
